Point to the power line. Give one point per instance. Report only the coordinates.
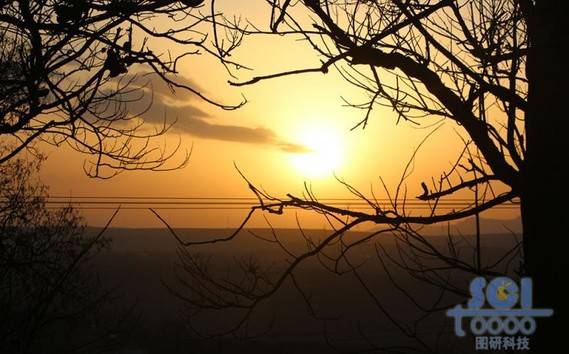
(86, 202)
(347, 204)
(215, 198)
(228, 200)
(244, 208)
(123, 207)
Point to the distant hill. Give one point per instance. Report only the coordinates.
(159, 240)
(146, 241)
(487, 226)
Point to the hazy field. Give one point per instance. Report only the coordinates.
(141, 261)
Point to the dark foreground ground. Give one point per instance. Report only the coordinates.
(145, 317)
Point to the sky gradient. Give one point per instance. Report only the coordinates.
(292, 130)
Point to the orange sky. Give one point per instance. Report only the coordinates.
(281, 112)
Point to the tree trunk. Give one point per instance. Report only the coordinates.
(546, 235)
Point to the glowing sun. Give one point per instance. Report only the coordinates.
(324, 155)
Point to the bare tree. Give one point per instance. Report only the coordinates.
(493, 67)
(45, 286)
(62, 66)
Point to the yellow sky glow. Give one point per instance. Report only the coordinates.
(305, 109)
(326, 148)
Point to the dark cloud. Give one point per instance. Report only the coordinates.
(152, 81)
(160, 105)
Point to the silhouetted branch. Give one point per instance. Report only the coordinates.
(63, 66)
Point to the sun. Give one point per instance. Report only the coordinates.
(324, 155)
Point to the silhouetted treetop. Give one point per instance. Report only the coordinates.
(62, 66)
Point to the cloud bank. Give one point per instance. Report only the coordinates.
(160, 105)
